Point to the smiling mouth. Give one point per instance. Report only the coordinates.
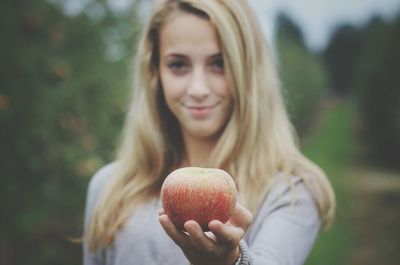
(200, 112)
(200, 108)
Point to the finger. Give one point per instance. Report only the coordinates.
(177, 236)
(225, 234)
(161, 211)
(241, 217)
(199, 239)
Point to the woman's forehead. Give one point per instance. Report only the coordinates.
(188, 33)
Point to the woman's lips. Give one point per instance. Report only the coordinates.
(200, 111)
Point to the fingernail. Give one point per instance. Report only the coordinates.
(189, 225)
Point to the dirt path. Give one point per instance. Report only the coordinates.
(375, 217)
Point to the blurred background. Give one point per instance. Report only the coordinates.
(65, 76)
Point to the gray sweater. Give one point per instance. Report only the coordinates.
(282, 232)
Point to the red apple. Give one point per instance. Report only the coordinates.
(199, 194)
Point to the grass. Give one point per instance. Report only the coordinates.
(331, 147)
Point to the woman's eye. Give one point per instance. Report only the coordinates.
(218, 64)
(178, 65)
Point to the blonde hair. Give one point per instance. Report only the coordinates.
(257, 143)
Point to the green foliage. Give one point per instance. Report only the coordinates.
(303, 75)
(62, 103)
(377, 89)
(332, 147)
(341, 57)
(364, 63)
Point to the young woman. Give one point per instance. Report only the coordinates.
(206, 94)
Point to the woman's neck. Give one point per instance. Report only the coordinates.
(198, 150)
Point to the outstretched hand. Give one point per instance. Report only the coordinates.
(219, 247)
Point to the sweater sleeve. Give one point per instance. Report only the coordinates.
(94, 191)
(285, 228)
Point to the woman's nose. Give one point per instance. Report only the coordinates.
(199, 85)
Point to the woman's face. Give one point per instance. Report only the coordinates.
(196, 87)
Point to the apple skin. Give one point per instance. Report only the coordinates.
(199, 194)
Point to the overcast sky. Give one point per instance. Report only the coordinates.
(317, 18)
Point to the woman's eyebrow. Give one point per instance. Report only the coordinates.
(183, 56)
(175, 55)
(216, 56)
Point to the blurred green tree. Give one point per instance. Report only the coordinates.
(302, 72)
(341, 57)
(377, 84)
(63, 88)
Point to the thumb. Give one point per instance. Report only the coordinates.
(241, 217)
